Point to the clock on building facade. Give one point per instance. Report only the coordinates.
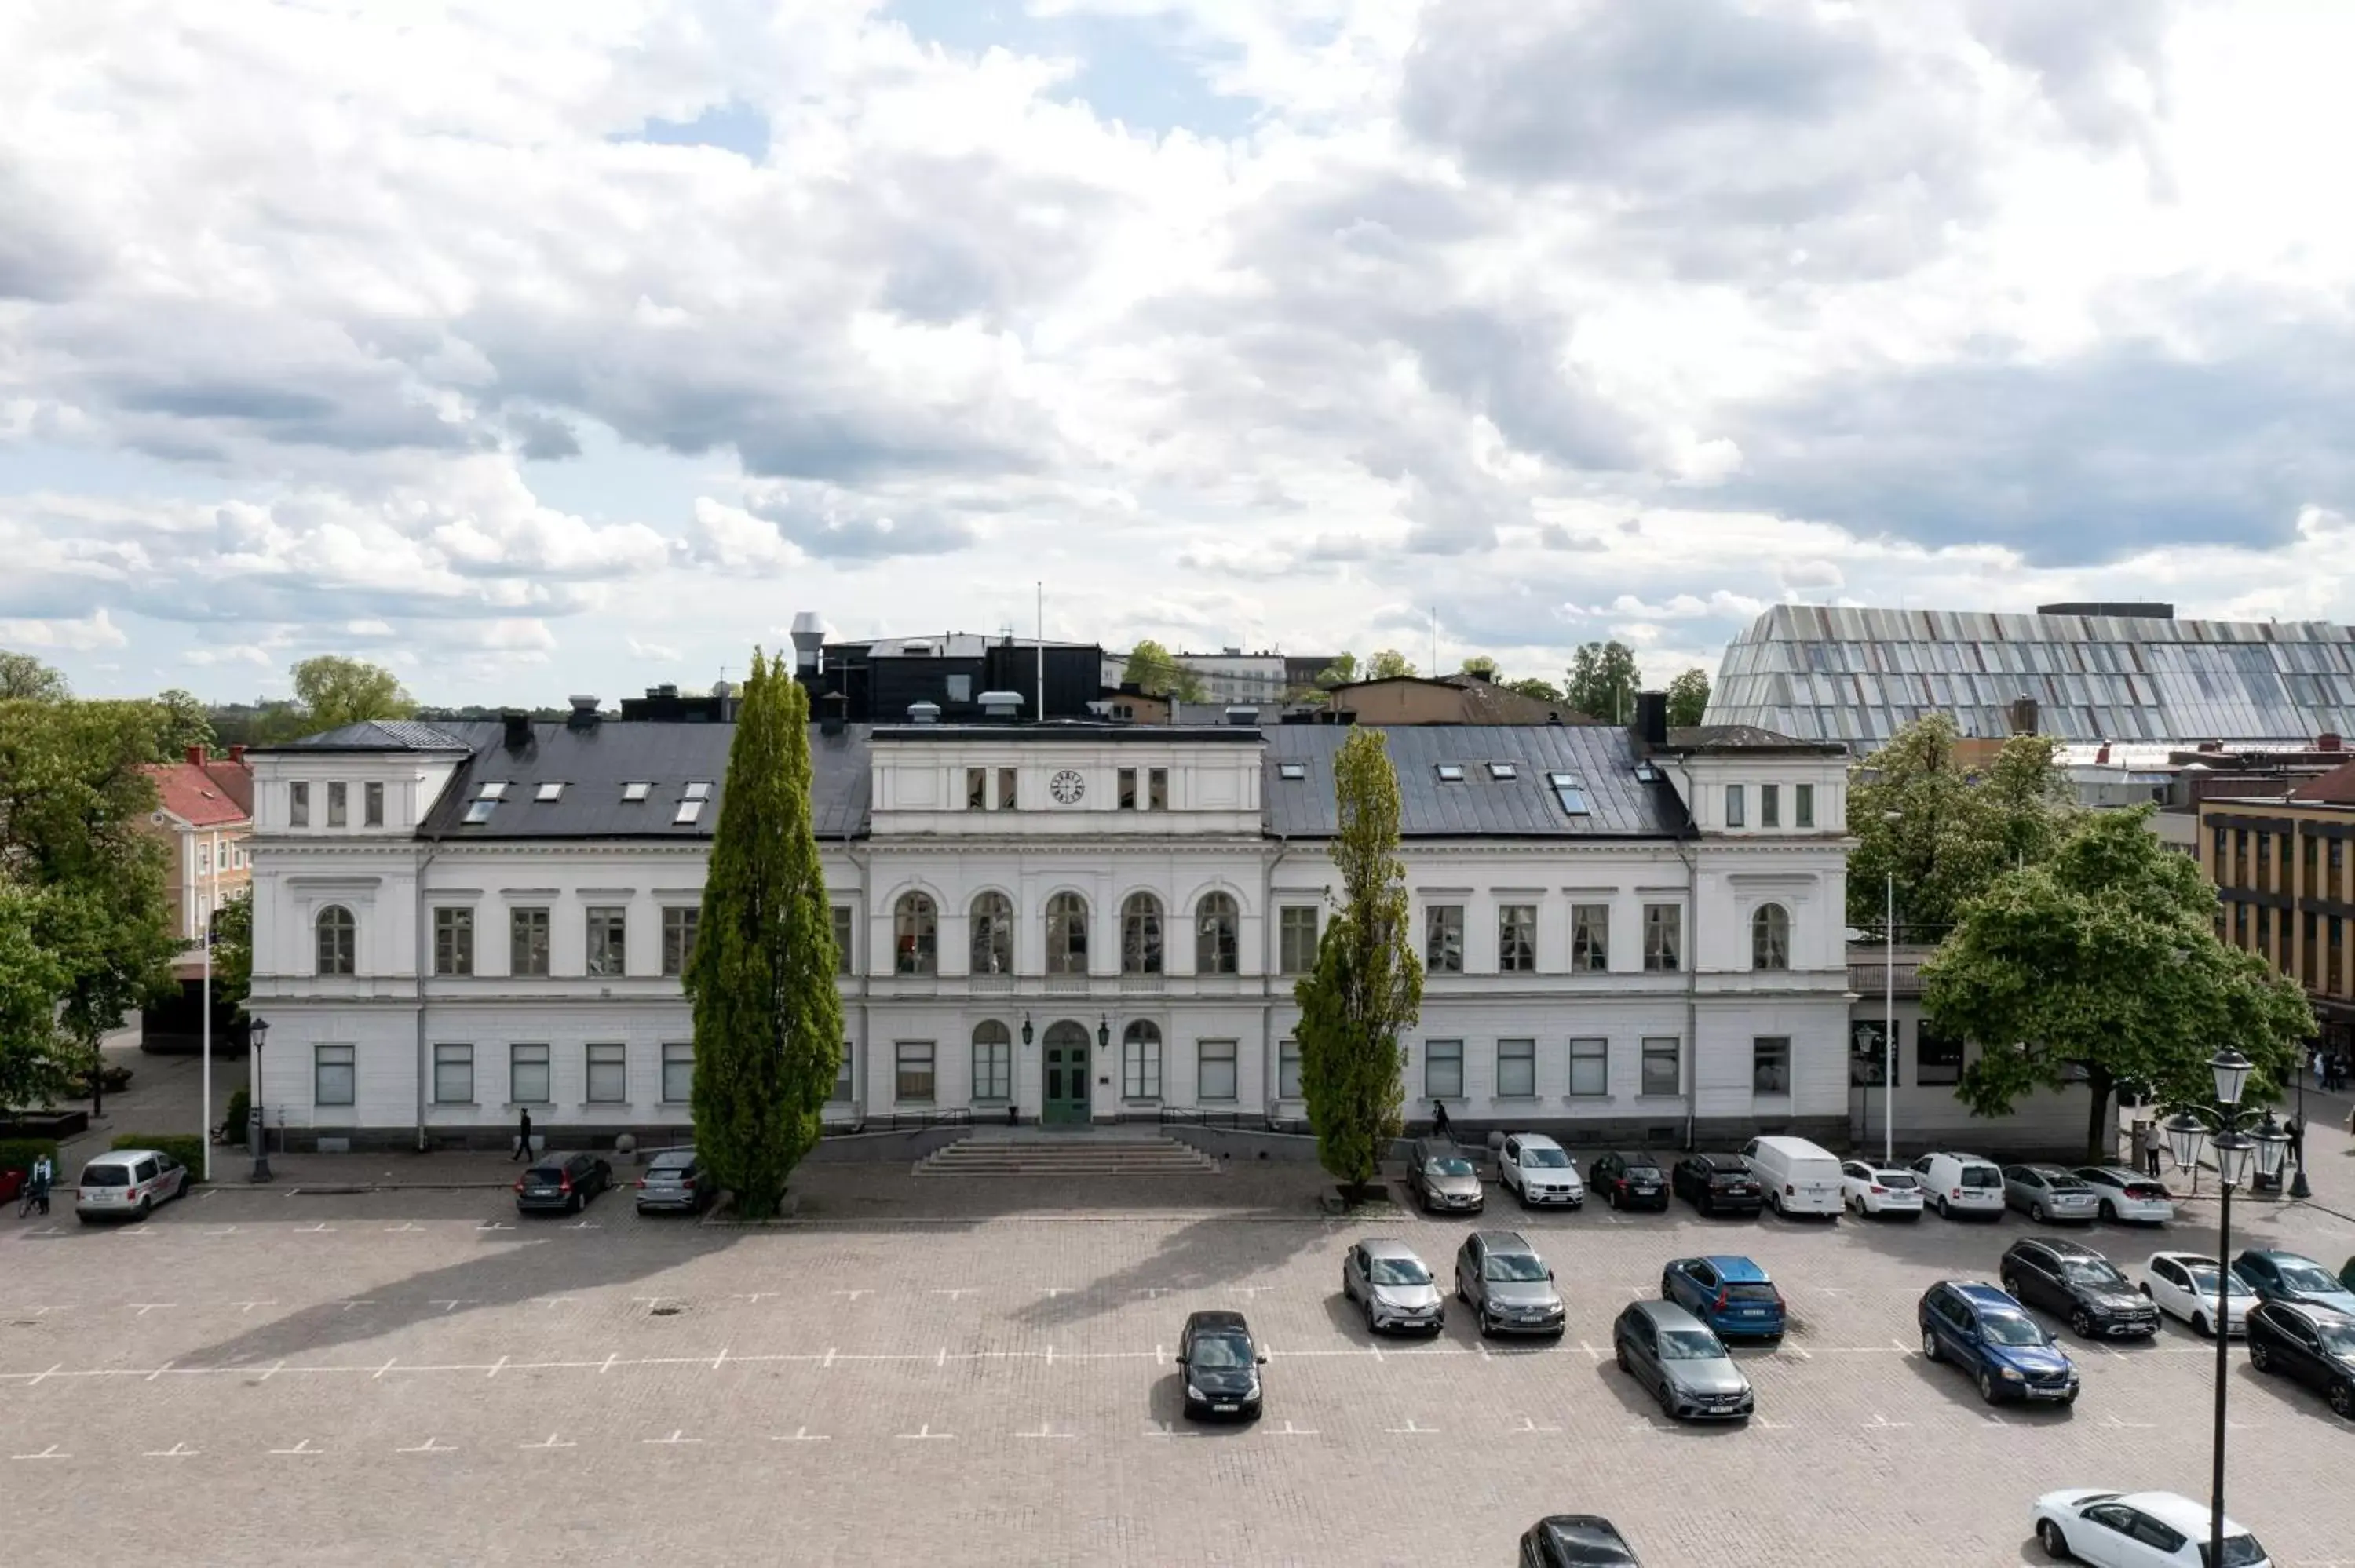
(1067, 786)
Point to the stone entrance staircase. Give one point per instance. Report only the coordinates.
(1079, 1154)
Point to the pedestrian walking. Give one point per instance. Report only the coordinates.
(2297, 1131)
(523, 1136)
(1439, 1127)
(2138, 1140)
(2322, 1069)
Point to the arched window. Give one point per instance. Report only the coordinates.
(1140, 1062)
(1067, 934)
(1140, 935)
(1770, 938)
(1215, 924)
(993, 935)
(993, 1059)
(339, 941)
(915, 936)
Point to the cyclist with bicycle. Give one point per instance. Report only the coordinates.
(37, 1186)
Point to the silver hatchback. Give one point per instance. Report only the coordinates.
(1393, 1287)
(2046, 1192)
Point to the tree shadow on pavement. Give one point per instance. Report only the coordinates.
(1200, 1254)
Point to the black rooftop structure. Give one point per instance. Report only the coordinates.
(1474, 802)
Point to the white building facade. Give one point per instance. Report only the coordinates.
(1067, 923)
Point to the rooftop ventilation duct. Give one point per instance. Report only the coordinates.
(1243, 718)
(809, 636)
(830, 708)
(924, 713)
(584, 714)
(1001, 705)
(519, 725)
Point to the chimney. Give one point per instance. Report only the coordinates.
(237, 757)
(1651, 726)
(924, 713)
(809, 636)
(519, 725)
(196, 757)
(584, 714)
(830, 711)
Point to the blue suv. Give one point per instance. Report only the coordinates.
(1991, 1336)
(1731, 1294)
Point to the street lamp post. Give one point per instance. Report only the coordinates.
(2226, 1128)
(2298, 1186)
(1888, 1010)
(257, 1123)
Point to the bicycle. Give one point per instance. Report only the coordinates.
(35, 1195)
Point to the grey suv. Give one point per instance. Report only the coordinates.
(1685, 1365)
(1500, 1277)
(1385, 1279)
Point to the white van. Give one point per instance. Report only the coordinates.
(1961, 1185)
(1798, 1177)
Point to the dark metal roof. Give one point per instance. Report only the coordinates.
(385, 735)
(1746, 737)
(594, 763)
(1602, 757)
(1115, 733)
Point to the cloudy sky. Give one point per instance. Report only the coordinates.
(539, 348)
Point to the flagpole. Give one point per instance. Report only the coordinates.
(205, 1115)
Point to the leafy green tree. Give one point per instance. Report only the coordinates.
(1386, 664)
(1689, 698)
(1341, 671)
(184, 721)
(1367, 983)
(768, 1020)
(36, 1065)
(1957, 829)
(24, 677)
(1531, 686)
(1480, 667)
(1602, 681)
(336, 691)
(1155, 671)
(233, 950)
(2103, 959)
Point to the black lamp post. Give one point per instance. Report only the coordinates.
(256, 1130)
(1026, 1029)
(2298, 1185)
(1103, 1032)
(2225, 1128)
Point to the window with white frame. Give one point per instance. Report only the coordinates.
(993, 1061)
(677, 1072)
(1590, 939)
(1770, 1064)
(1734, 811)
(681, 922)
(1067, 934)
(528, 1075)
(1589, 1068)
(1214, 1074)
(1140, 1061)
(913, 1078)
(528, 942)
(609, 1073)
(1297, 938)
(1442, 938)
(840, 1094)
(1803, 805)
(609, 932)
(1663, 938)
(844, 963)
(1516, 938)
(1664, 1065)
(1140, 935)
(339, 805)
(1217, 942)
(454, 941)
(337, 941)
(332, 1080)
(915, 935)
(372, 805)
(990, 933)
(1770, 938)
(1287, 1069)
(977, 789)
(298, 810)
(1516, 1069)
(1442, 1069)
(453, 1075)
(1770, 805)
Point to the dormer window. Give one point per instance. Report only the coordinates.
(547, 792)
(632, 793)
(698, 792)
(479, 811)
(1449, 772)
(1292, 770)
(1569, 789)
(1502, 770)
(496, 790)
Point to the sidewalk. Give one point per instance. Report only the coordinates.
(2329, 1156)
(163, 1099)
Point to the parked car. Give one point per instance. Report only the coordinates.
(1961, 1185)
(2046, 1193)
(2074, 1281)
(2312, 1344)
(1717, 1184)
(1386, 1278)
(2130, 1530)
(561, 1183)
(2293, 1277)
(127, 1184)
(1576, 1540)
(1683, 1363)
(1628, 1180)
(1441, 1175)
(2123, 1194)
(1219, 1363)
(1798, 1177)
(1992, 1337)
(676, 1178)
(1878, 1190)
(1536, 1170)
(1500, 1277)
(2183, 1285)
(1731, 1294)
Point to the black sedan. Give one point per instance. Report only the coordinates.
(1717, 1184)
(2312, 1344)
(561, 1184)
(1576, 1540)
(1628, 1180)
(1219, 1362)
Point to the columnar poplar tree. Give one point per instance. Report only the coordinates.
(1367, 983)
(768, 1021)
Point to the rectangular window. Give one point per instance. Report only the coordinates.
(1140, 1067)
(609, 1073)
(1869, 1053)
(2265, 857)
(2265, 930)
(1005, 778)
(1569, 793)
(1770, 805)
(678, 1072)
(2309, 857)
(841, 1092)
(2241, 857)
(2334, 974)
(1297, 938)
(913, 1081)
(993, 1069)
(528, 942)
(1733, 813)
(1589, 1068)
(454, 941)
(1936, 1058)
(1287, 1069)
(1770, 1064)
(528, 1075)
(1442, 1069)
(1127, 787)
(2240, 925)
(1803, 805)
(1664, 1067)
(680, 923)
(2306, 957)
(298, 815)
(1442, 938)
(371, 805)
(1590, 939)
(204, 859)
(977, 789)
(609, 933)
(1664, 938)
(339, 805)
(332, 1080)
(453, 1075)
(844, 964)
(1516, 938)
(1214, 1078)
(1516, 1069)
(1156, 788)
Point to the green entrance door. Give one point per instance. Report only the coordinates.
(1064, 1098)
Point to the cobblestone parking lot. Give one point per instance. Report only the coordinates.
(257, 1376)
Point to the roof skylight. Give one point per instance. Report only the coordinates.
(636, 791)
(688, 810)
(479, 811)
(1449, 772)
(698, 792)
(1570, 790)
(1292, 770)
(550, 792)
(1504, 770)
(496, 790)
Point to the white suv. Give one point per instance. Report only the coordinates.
(1534, 1169)
(1961, 1185)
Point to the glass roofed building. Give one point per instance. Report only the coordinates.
(2095, 672)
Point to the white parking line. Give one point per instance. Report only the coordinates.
(552, 1442)
(49, 1452)
(678, 1437)
(431, 1446)
(925, 1433)
(1411, 1430)
(803, 1435)
(147, 1307)
(177, 1451)
(1046, 1429)
(1528, 1426)
(302, 1449)
(1292, 1431)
